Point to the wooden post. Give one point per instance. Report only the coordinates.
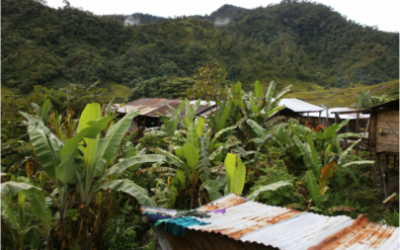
(336, 118)
(357, 122)
(375, 168)
(372, 129)
(319, 118)
(386, 168)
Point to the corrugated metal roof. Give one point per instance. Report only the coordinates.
(297, 105)
(284, 228)
(341, 116)
(153, 107)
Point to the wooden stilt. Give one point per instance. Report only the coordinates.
(357, 121)
(386, 169)
(375, 169)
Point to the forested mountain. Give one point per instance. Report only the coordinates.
(290, 40)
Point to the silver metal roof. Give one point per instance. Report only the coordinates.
(155, 107)
(331, 114)
(297, 105)
(285, 228)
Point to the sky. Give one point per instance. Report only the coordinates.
(384, 13)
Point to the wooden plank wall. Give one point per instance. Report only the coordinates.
(386, 139)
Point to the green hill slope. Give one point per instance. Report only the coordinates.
(306, 44)
(346, 97)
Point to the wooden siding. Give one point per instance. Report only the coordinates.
(386, 139)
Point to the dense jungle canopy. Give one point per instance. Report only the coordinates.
(299, 41)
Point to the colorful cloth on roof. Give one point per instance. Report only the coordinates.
(154, 217)
(222, 211)
(177, 226)
(161, 221)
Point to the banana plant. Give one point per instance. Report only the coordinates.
(16, 216)
(318, 175)
(86, 159)
(193, 151)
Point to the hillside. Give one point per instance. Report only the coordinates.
(336, 97)
(304, 44)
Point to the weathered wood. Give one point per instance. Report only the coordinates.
(372, 129)
(357, 121)
(387, 147)
(375, 169)
(336, 118)
(387, 168)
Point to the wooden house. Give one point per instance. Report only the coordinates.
(151, 110)
(383, 134)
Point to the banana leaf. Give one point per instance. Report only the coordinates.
(129, 187)
(270, 187)
(235, 173)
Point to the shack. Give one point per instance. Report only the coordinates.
(382, 137)
(297, 109)
(357, 123)
(235, 222)
(150, 110)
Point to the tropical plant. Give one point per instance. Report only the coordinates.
(81, 168)
(196, 149)
(317, 177)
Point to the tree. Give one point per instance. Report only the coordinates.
(211, 83)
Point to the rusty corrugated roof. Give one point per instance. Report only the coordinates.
(284, 228)
(153, 107)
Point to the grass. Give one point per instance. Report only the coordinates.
(119, 91)
(336, 97)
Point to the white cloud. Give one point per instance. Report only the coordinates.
(383, 13)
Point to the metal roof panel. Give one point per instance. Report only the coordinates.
(284, 228)
(297, 105)
(332, 112)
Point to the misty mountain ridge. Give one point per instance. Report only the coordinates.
(222, 16)
(306, 44)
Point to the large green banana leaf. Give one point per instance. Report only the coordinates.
(126, 163)
(258, 90)
(307, 158)
(212, 189)
(66, 171)
(313, 187)
(39, 206)
(270, 187)
(47, 146)
(191, 155)
(8, 213)
(129, 187)
(235, 173)
(260, 132)
(90, 113)
(14, 187)
(109, 145)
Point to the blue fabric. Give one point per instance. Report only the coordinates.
(154, 217)
(177, 226)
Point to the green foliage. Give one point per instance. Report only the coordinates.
(161, 87)
(235, 173)
(290, 40)
(272, 174)
(210, 84)
(79, 160)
